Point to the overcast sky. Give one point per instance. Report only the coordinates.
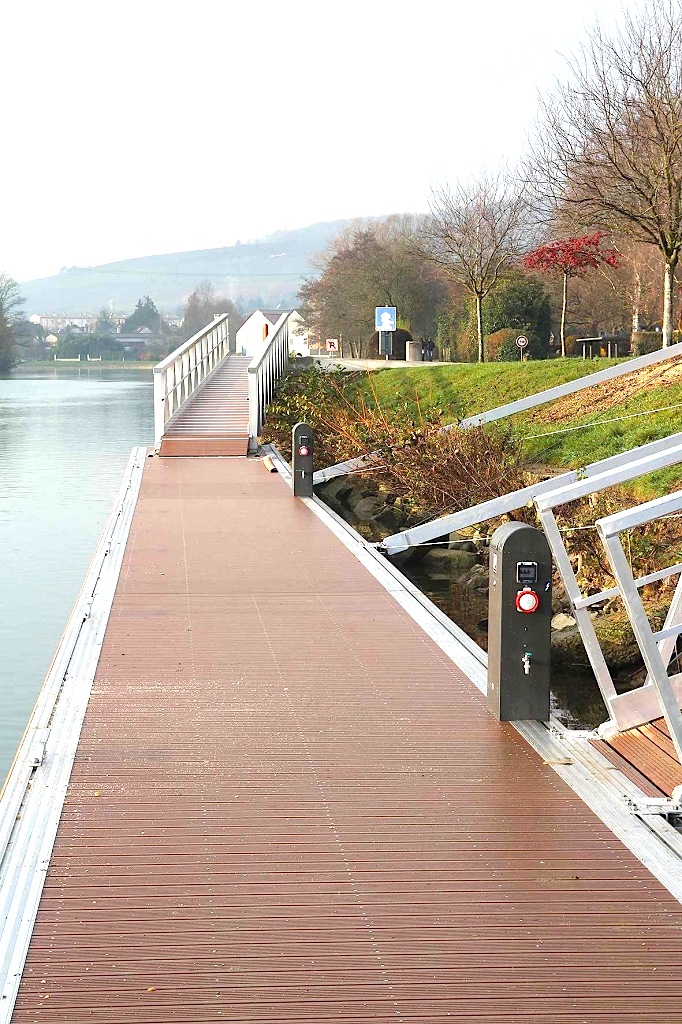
(134, 127)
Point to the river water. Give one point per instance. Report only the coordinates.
(65, 439)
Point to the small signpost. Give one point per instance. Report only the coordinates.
(522, 341)
(385, 322)
(332, 345)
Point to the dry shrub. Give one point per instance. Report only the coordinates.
(447, 470)
(435, 469)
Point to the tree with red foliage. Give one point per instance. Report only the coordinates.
(570, 257)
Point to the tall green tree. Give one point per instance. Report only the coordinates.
(11, 302)
(145, 314)
(521, 302)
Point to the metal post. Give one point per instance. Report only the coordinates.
(519, 624)
(302, 441)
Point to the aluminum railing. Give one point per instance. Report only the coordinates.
(656, 648)
(177, 377)
(642, 704)
(265, 369)
(653, 699)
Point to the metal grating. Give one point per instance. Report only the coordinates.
(288, 805)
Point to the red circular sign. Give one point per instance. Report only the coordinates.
(527, 601)
(522, 341)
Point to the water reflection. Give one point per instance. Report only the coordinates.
(65, 438)
(575, 698)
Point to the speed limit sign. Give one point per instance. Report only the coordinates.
(522, 341)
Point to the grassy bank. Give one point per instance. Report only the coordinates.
(566, 433)
(462, 389)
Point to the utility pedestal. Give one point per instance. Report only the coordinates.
(519, 624)
(302, 441)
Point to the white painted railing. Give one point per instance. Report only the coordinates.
(265, 369)
(178, 376)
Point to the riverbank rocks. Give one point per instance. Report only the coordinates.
(476, 578)
(562, 621)
(366, 508)
(337, 490)
(457, 544)
(457, 564)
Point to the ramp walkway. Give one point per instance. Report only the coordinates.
(216, 422)
(288, 805)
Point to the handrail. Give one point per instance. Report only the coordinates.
(656, 647)
(265, 369)
(177, 377)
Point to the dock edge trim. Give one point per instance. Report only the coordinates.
(33, 796)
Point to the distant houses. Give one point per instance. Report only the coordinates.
(86, 323)
(59, 324)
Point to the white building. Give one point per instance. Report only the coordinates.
(84, 323)
(252, 337)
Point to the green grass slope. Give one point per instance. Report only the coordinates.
(463, 389)
(566, 433)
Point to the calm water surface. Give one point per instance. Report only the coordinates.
(65, 439)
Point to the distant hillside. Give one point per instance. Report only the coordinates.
(269, 270)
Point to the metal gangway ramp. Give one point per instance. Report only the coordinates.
(209, 401)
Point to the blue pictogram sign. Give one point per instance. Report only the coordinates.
(384, 318)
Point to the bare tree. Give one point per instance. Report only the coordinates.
(202, 305)
(11, 301)
(371, 264)
(475, 232)
(608, 142)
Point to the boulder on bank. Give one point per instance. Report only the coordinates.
(337, 489)
(446, 559)
(457, 544)
(562, 621)
(367, 508)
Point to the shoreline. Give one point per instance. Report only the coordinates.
(83, 364)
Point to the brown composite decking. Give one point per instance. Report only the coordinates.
(647, 756)
(289, 806)
(216, 420)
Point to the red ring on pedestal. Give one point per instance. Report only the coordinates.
(527, 601)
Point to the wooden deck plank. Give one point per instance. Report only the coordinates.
(628, 769)
(288, 805)
(651, 753)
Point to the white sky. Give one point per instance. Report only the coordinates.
(134, 127)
